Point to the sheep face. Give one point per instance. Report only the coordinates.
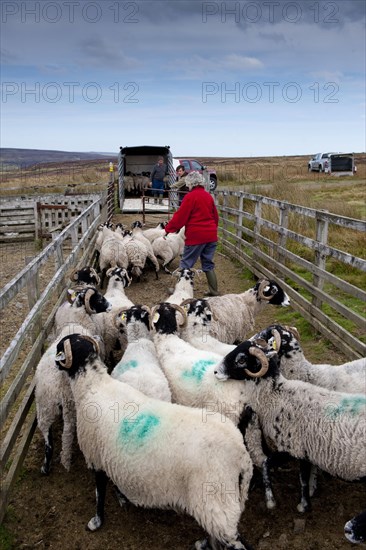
(119, 274)
(248, 361)
(138, 314)
(271, 292)
(74, 352)
(164, 318)
(136, 224)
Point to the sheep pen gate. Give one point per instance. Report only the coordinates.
(294, 245)
(43, 293)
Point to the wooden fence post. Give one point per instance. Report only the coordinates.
(282, 237)
(33, 296)
(322, 226)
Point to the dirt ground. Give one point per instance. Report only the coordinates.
(52, 512)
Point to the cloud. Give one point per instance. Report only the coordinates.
(96, 53)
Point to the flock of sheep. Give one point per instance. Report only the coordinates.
(177, 405)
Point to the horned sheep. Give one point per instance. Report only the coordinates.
(52, 389)
(148, 454)
(139, 365)
(349, 377)
(169, 247)
(293, 413)
(233, 315)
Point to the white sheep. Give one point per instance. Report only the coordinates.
(139, 365)
(349, 377)
(190, 373)
(138, 234)
(155, 232)
(169, 247)
(183, 289)
(52, 390)
(320, 427)
(158, 454)
(233, 315)
(196, 329)
(137, 255)
(112, 252)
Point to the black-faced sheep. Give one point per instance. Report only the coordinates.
(139, 365)
(310, 423)
(233, 315)
(349, 377)
(157, 453)
(52, 391)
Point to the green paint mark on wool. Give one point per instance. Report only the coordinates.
(348, 405)
(137, 428)
(198, 369)
(123, 367)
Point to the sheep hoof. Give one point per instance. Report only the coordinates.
(202, 545)
(94, 524)
(45, 469)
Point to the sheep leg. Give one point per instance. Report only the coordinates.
(313, 480)
(101, 481)
(68, 432)
(122, 500)
(48, 453)
(305, 472)
(233, 544)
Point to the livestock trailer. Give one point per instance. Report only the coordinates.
(138, 161)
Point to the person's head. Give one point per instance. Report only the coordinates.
(160, 160)
(194, 179)
(180, 170)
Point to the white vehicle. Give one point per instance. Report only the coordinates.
(338, 164)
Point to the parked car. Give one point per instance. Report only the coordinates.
(333, 163)
(191, 165)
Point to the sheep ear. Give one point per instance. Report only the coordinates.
(60, 356)
(71, 295)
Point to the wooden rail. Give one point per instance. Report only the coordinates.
(266, 235)
(72, 247)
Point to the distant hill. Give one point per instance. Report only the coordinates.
(22, 158)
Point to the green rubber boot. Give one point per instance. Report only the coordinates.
(212, 284)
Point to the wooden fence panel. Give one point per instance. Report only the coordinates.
(261, 236)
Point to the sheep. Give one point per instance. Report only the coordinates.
(139, 365)
(184, 286)
(190, 373)
(318, 426)
(137, 233)
(52, 389)
(155, 232)
(157, 453)
(350, 377)
(169, 247)
(233, 315)
(196, 329)
(113, 253)
(113, 337)
(137, 254)
(355, 529)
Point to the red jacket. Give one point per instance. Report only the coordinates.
(198, 213)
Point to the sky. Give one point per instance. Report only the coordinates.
(230, 79)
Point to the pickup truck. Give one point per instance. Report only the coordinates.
(191, 165)
(338, 164)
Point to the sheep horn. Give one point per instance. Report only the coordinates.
(73, 276)
(95, 274)
(182, 312)
(264, 362)
(88, 294)
(68, 355)
(277, 339)
(262, 285)
(187, 301)
(109, 271)
(293, 331)
(152, 313)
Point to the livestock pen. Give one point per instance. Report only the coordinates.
(248, 233)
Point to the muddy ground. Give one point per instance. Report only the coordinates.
(52, 512)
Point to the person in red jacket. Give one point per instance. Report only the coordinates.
(198, 214)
